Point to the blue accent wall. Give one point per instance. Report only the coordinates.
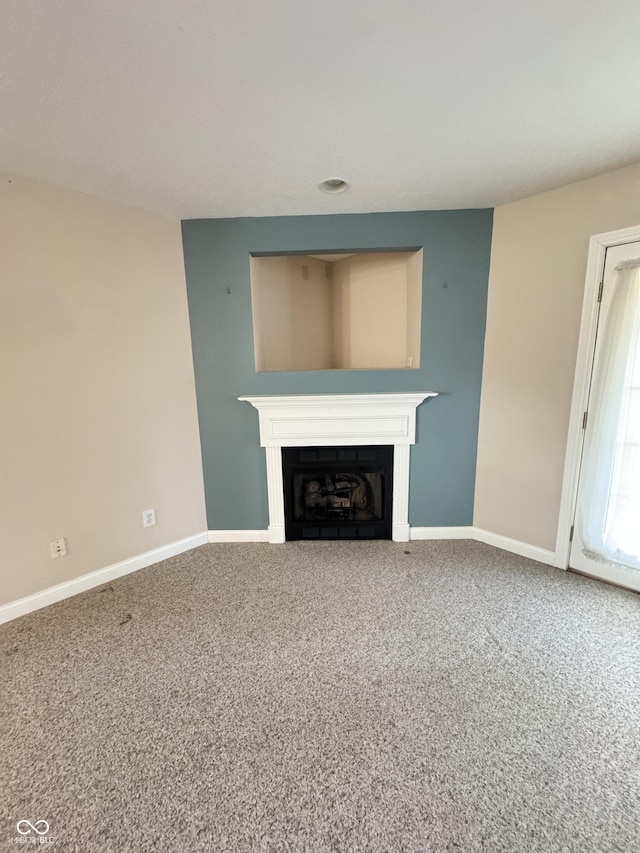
(456, 248)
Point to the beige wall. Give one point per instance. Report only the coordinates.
(375, 289)
(311, 332)
(340, 277)
(271, 310)
(536, 283)
(292, 316)
(97, 400)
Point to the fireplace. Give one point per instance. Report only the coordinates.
(337, 492)
(329, 422)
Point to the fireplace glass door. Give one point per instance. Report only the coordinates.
(338, 492)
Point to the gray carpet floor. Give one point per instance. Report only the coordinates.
(434, 696)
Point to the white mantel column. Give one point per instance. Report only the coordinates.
(275, 490)
(400, 506)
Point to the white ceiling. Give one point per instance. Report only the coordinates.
(238, 108)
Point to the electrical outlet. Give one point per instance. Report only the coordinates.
(58, 548)
(148, 517)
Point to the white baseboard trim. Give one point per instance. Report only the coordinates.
(238, 536)
(532, 552)
(441, 533)
(15, 609)
(400, 532)
(67, 589)
(275, 534)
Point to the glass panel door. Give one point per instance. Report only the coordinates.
(606, 540)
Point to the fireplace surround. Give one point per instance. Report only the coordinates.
(334, 420)
(337, 492)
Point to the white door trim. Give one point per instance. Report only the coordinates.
(598, 246)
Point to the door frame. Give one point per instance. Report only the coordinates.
(598, 246)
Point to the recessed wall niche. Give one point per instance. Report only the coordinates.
(328, 311)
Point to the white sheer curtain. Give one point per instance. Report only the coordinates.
(609, 507)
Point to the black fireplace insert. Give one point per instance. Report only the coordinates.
(338, 492)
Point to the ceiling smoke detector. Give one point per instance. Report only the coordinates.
(333, 185)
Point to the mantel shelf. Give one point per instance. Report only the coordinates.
(381, 399)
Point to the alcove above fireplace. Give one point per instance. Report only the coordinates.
(338, 420)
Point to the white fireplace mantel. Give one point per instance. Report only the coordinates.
(322, 420)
